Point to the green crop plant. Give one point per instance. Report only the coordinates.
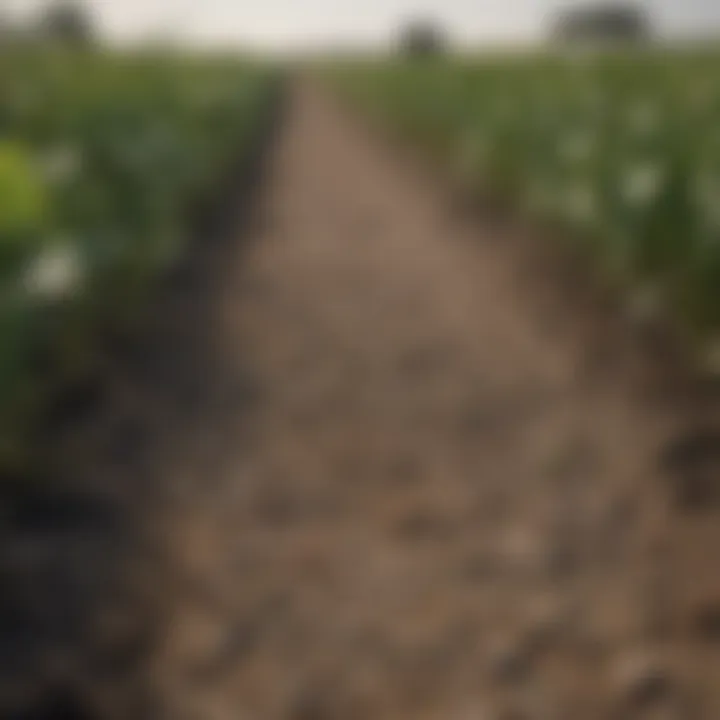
(622, 148)
(103, 158)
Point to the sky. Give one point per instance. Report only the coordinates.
(300, 24)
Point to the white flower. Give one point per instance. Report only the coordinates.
(54, 274)
(61, 164)
(641, 184)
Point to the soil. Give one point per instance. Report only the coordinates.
(377, 464)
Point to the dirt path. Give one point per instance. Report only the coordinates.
(410, 499)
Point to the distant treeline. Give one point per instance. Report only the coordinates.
(65, 21)
(589, 24)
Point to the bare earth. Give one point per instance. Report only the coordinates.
(405, 492)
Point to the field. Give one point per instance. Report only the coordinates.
(104, 162)
(622, 151)
(317, 440)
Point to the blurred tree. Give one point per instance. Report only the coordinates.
(422, 39)
(601, 23)
(67, 21)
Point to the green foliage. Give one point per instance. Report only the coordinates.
(23, 204)
(623, 148)
(102, 160)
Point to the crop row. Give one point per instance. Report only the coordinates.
(102, 160)
(623, 150)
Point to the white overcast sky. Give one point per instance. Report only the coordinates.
(278, 24)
